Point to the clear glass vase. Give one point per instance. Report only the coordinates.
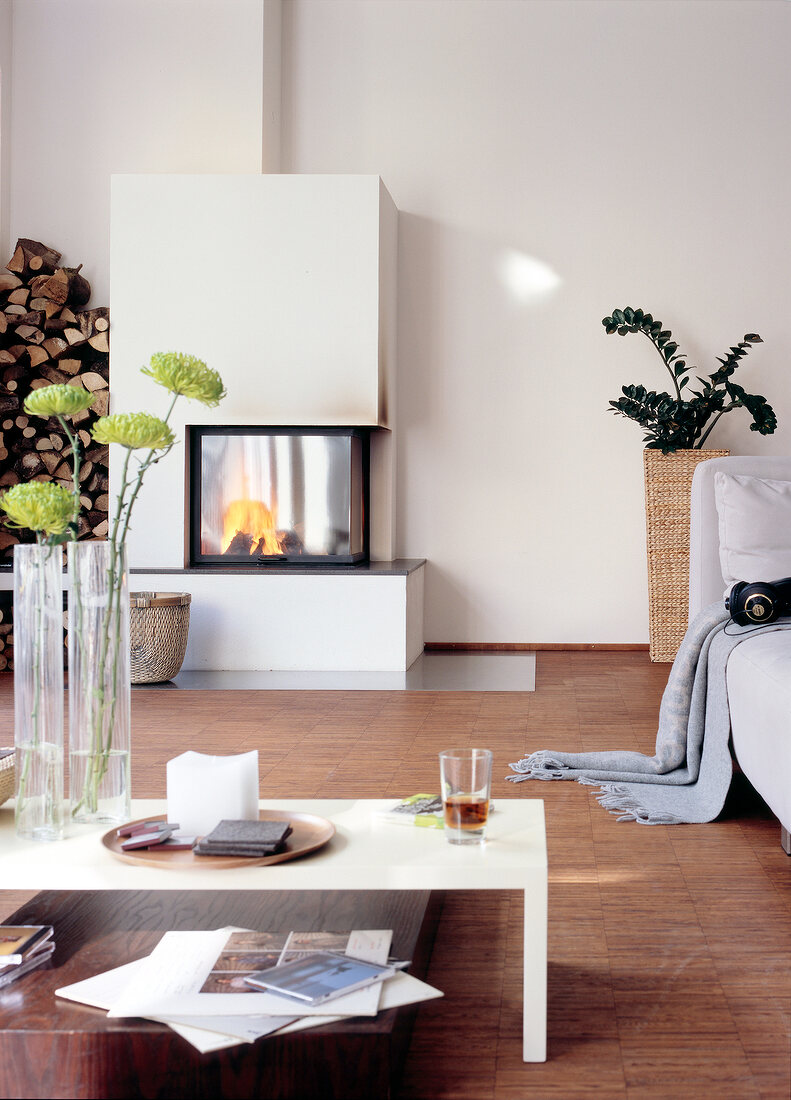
(38, 691)
(99, 683)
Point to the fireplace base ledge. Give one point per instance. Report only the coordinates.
(365, 617)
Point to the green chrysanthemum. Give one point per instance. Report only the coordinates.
(57, 400)
(133, 430)
(186, 375)
(39, 506)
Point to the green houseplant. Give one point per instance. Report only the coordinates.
(683, 419)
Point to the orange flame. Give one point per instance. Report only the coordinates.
(251, 517)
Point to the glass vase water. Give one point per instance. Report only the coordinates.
(38, 691)
(99, 683)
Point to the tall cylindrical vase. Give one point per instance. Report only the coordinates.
(38, 691)
(99, 683)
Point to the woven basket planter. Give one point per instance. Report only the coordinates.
(158, 628)
(668, 485)
(7, 777)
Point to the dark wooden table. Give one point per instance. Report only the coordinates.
(50, 1047)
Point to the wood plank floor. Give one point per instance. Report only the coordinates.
(669, 947)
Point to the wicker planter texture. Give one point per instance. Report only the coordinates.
(159, 623)
(668, 484)
(7, 777)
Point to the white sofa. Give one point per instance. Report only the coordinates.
(759, 669)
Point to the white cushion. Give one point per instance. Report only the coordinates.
(755, 527)
(759, 697)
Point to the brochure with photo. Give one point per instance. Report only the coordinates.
(319, 976)
(244, 953)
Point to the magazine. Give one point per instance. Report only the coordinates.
(319, 976)
(424, 810)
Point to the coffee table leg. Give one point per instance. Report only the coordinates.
(535, 973)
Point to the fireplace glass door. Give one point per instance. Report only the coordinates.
(263, 496)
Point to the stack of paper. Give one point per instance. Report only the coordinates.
(195, 983)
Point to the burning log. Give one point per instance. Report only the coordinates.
(241, 543)
(47, 338)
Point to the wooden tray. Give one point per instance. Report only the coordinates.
(308, 833)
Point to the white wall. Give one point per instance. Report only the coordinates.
(641, 151)
(5, 120)
(111, 86)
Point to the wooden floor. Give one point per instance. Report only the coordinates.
(669, 947)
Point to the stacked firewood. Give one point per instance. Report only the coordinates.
(6, 633)
(48, 335)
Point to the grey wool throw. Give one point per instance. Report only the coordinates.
(688, 777)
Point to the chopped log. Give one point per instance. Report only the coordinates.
(85, 437)
(73, 336)
(12, 312)
(70, 366)
(92, 321)
(8, 402)
(30, 465)
(93, 381)
(37, 355)
(100, 530)
(8, 281)
(56, 377)
(56, 440)
(32, 258)
(30, 333)
(22, 421)
(55, 346)
(10, 477)
(67, 287)
(101, 403)
(19, 297)
(3, 323)
(44, 445)
(99, 342)
(51, 460)
(29, 432)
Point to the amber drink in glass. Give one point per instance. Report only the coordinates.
(466, 780)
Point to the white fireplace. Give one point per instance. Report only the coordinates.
(287, 286)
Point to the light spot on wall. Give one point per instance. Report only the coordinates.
(525, 278)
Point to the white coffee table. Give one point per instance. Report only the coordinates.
(363, 855)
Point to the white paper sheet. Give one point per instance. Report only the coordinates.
(101, 990)
(169, 985)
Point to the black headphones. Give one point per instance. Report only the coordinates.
(760, 602)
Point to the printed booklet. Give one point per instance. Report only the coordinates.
(319, 976)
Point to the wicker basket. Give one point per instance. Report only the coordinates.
(668, 485)
(159, 623)
(7, 777)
